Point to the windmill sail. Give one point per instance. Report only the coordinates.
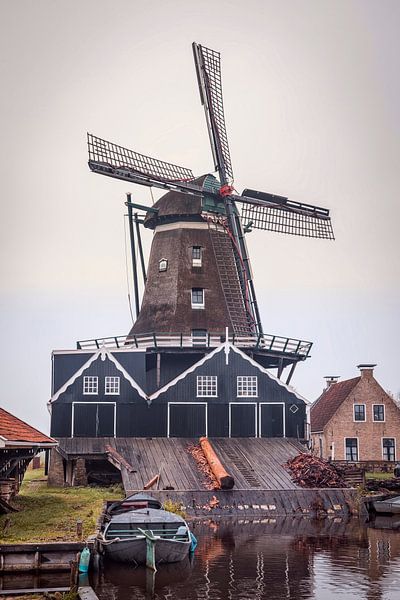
(208, 69)
(270, 212)
(110, 158)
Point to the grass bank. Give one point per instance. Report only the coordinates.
(50, 514)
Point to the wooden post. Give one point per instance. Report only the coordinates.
(150, 549)
(79, 528)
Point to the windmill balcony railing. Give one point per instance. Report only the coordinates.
(268, 342)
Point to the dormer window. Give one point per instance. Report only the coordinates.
(197, 298)
(162, 265)
(196, 256)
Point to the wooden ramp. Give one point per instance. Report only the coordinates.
(255, 463)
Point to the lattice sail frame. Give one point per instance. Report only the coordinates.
(270, 218)
(107, 154)
(210, 84)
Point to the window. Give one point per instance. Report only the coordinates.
(90, 385)
(162, 264)
(351, 449)
(206, 386)
(388, 445)
(247, 385)
(378, 411)
(197, 298)
(359, 412)
(196, 256)
(112, 386)
(199, 337)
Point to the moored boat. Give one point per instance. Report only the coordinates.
(125, 537)
(390, 506)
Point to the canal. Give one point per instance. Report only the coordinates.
(288, 559)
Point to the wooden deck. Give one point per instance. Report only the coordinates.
(255, 463)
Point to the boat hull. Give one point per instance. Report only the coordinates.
(133, 551)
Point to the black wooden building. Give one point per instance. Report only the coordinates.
(120, 392)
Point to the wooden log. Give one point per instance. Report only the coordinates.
(152, 482)
(225, 480)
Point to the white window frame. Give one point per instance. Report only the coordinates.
(86, 380)
(214, 377)
(364, 420)
(352, 437)
(197, 305)
(109, 403)
(387, 437)
(181, 404)
(197, 262)
(260, 405)
(384, 412)
(118, 386)
(243, 404)
(244, 377)
(161, 262)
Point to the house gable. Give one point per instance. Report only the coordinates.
(100, 364)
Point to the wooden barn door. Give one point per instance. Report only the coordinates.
(242, 419)
(271, 419)
(187, 419)
(93, 419)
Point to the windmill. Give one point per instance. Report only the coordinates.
(206, 217)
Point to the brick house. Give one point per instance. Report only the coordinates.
(355, 420)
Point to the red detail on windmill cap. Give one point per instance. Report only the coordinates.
(225, 190)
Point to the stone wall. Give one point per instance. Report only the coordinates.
(56, 476)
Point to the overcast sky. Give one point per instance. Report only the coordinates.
(312, 97)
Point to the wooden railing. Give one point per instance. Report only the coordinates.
(272, 343)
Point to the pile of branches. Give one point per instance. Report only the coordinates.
(309, 471)
(210, 481)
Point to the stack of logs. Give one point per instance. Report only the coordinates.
(309, 471)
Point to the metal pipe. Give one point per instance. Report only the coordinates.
(139, 237)
(133, 253)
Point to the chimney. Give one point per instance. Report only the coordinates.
(366, 370)
(330, 380)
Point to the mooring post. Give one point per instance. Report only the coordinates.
(150, 549)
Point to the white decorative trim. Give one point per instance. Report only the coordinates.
(186, 225)
(260, 405)
(243, 404)
(227, 347)
(273, 377)
(190, 404)
(185, 373)
(103, 353)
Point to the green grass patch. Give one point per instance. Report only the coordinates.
(50, 514)
(378, 475)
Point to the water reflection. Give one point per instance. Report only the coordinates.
(288, 559)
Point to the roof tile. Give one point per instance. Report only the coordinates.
(15, 430)
(327, 404)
